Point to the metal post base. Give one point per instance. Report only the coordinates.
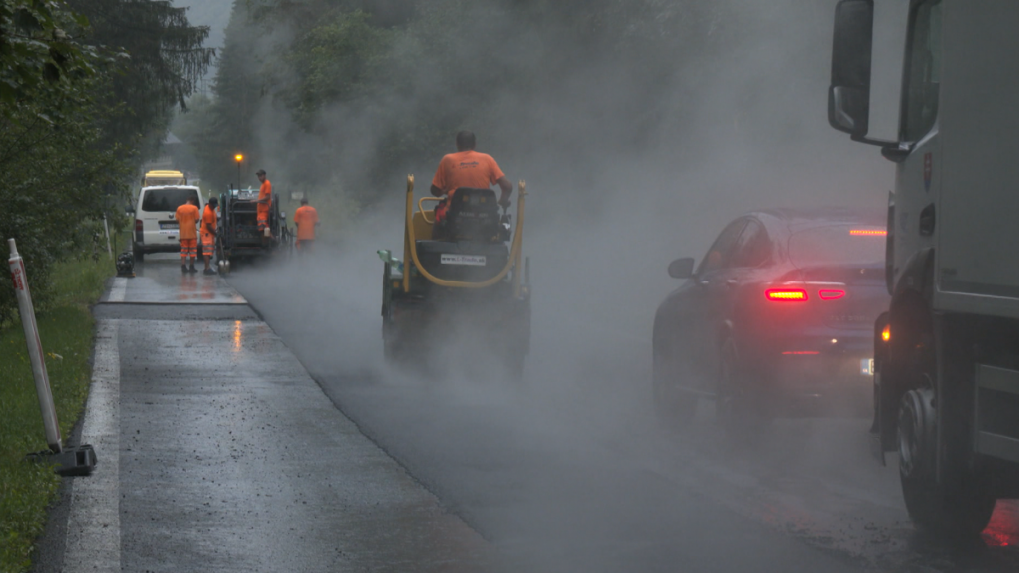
(73, 461)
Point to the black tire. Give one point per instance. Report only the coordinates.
(139, 255)
(940, 509)
(673, 407)
(738, 411)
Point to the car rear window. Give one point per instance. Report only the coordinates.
(166, 199)
(838, 245)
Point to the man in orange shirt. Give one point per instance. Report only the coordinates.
(187, 219)
(264, 203)
(468, 168)
(306, 219)
(209, 233)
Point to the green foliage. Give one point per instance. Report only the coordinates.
(78, 116)
(165, 60)
(38, 58)
(335, 62)
(66, 330)
(59, 183)
(374, 88)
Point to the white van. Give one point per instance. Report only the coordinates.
(155, 226)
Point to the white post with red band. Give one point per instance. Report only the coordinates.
(35, 353)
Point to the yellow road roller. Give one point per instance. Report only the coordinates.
(461, 292)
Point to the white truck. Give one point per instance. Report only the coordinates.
(946, 392)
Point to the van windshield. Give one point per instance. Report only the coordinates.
(862, 245)
(167, 199)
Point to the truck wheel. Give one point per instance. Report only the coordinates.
(673, 406)
(942, 509)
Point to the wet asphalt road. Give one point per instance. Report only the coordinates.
(217, 452)
(569, 471)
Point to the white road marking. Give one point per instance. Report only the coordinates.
(118, 291)
(93, 526)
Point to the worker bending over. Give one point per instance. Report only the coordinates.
(209, 233)
(306, 219)
(467, 168)
(187, 218)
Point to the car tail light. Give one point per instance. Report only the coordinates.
(831, 294)
(138, 225)
(786, 294)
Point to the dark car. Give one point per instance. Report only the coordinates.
(778, 316)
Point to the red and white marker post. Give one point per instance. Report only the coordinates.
(35, 352)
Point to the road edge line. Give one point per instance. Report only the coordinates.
(93, 523)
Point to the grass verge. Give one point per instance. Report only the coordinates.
(66, 329)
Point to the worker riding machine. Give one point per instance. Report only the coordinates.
(459, 288)
(237, 234)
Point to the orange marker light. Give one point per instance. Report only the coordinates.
(868, 233)
(886, 333)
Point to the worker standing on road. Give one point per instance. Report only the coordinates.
(306, 219)
(264, 204)
(209, 233)
(187, 218)
(467, 168)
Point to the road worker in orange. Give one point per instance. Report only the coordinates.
(264, 204)
(467, 168)
(209, 233)
(306, 219)
(187, 218)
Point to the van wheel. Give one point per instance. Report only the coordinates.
(139, 256)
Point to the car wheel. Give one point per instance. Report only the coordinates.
(734, 396)
(672, 405)
(139, 255)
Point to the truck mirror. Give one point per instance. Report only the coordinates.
(681, 268)
(849, 94)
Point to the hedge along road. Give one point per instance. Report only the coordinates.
(217, 452)
(568, 472)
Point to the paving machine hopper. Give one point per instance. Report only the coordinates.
(237, 234)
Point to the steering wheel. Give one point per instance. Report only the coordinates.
(421, 208)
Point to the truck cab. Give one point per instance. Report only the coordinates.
(946, 393)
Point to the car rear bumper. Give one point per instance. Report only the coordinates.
(828, 372)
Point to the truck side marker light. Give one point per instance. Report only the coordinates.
(783, 295)
(831, 294)
(886, 333)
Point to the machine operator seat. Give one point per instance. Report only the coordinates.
(470, 243)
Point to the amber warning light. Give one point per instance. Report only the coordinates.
(868, 232)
